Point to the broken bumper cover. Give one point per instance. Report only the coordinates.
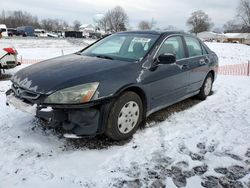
(76, 121)
(80, 120)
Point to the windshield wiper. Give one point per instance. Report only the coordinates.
(104, 57)
(78, 53)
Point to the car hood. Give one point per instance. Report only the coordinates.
(65, 71)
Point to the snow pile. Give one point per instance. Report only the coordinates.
(231, 53)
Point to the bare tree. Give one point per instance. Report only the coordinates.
(119, 19)
(243, 13)
(232, 27)
(47, 24)
(76, 25)
(102, 23)
(114, 20)
(18, 18)
(199, 22)
(144, 25)
(65, 25)
(53, 24)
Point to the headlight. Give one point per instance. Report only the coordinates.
(73, 95)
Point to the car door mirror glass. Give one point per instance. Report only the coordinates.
(166, 58)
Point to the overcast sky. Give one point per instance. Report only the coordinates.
(165, 12)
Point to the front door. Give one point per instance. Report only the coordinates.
(168, 83)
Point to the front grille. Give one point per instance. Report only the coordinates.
(24, 94)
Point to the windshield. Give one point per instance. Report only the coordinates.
(126, 47)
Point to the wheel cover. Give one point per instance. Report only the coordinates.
(128, 117)
(208, 86)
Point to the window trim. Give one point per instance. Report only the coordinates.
(203, 49)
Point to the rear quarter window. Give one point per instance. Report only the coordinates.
(204, 51)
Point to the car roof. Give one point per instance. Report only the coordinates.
(153, 32)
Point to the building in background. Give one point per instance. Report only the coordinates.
(243, 38)
(87, 29)
(211, 36)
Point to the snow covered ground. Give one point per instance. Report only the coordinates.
(41, 49)
(231, 53)
(192, 143)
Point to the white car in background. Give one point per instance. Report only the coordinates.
(8, 59)
(4, 30)
(40, 33)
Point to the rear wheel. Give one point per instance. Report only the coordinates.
(206, 87)
(124, 117)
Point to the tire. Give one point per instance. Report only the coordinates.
(124, 117)
(206, 88)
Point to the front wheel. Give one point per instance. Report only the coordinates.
(206, 87)
(125, 116)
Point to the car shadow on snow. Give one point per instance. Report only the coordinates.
(163, 114)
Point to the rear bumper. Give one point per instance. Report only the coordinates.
(79, 120)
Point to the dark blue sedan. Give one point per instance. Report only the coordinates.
(112, 85)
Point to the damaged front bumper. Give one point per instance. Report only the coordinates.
(80, 120)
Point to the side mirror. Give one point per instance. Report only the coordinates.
(166, 58)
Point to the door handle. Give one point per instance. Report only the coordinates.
(184, 67)
(202, 62)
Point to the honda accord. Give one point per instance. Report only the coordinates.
(111, 86)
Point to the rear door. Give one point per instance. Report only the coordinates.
(198, 63)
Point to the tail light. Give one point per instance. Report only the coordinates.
(10, 50)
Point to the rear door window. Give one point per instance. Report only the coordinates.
(193, 46)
